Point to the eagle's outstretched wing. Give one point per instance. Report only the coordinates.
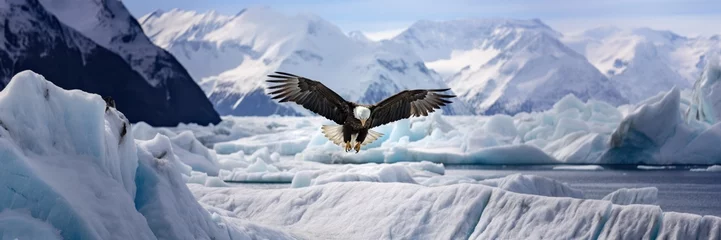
(310, 94)
(406, 104)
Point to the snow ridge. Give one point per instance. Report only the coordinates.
(507, 66)
(643, 62)
(230, 56)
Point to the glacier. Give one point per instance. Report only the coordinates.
(75, 169)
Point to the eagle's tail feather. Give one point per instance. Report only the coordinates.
(333, 133)
(372, 136)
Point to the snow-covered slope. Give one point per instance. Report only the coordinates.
(230, 56)
(35, 39)
(109, 24)
(643, 62)
(507, 66)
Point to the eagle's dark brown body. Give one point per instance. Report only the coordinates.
(353, 126)
(318, 98)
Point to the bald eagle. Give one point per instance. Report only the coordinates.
(355, 120)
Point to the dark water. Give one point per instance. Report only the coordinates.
(679, 190)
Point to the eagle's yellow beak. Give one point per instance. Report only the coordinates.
(363, 122)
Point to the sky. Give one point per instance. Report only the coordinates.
(380, 19)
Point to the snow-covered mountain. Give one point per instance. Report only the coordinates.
(57, 47)
(231, 55)
(507, 66)
(109, 24)
(643, 62)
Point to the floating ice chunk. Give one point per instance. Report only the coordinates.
(647, 167)
(501, 125)
(161, 148)
(215, 182)
(428, 166)
(376, 211)
(714, 168)
(534, 185)
(285, 144)
(165, 201)
(655, 133)
(385, 173)
(578, 147)
(579, 167)
(194, 154)
(626, 196)
(566, 126)
(396, 172)
(302, 179)
(197, 177)
(569, 101)
(435, 181)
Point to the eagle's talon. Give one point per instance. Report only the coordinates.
(347, 147)
(357, 147)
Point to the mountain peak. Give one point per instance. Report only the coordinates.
(359, 36)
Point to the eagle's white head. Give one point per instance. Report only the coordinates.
(362, 113)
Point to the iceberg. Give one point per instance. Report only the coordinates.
(655, 133)
(714, 168)
(625, 196)
(73, 170)
(458, 211)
